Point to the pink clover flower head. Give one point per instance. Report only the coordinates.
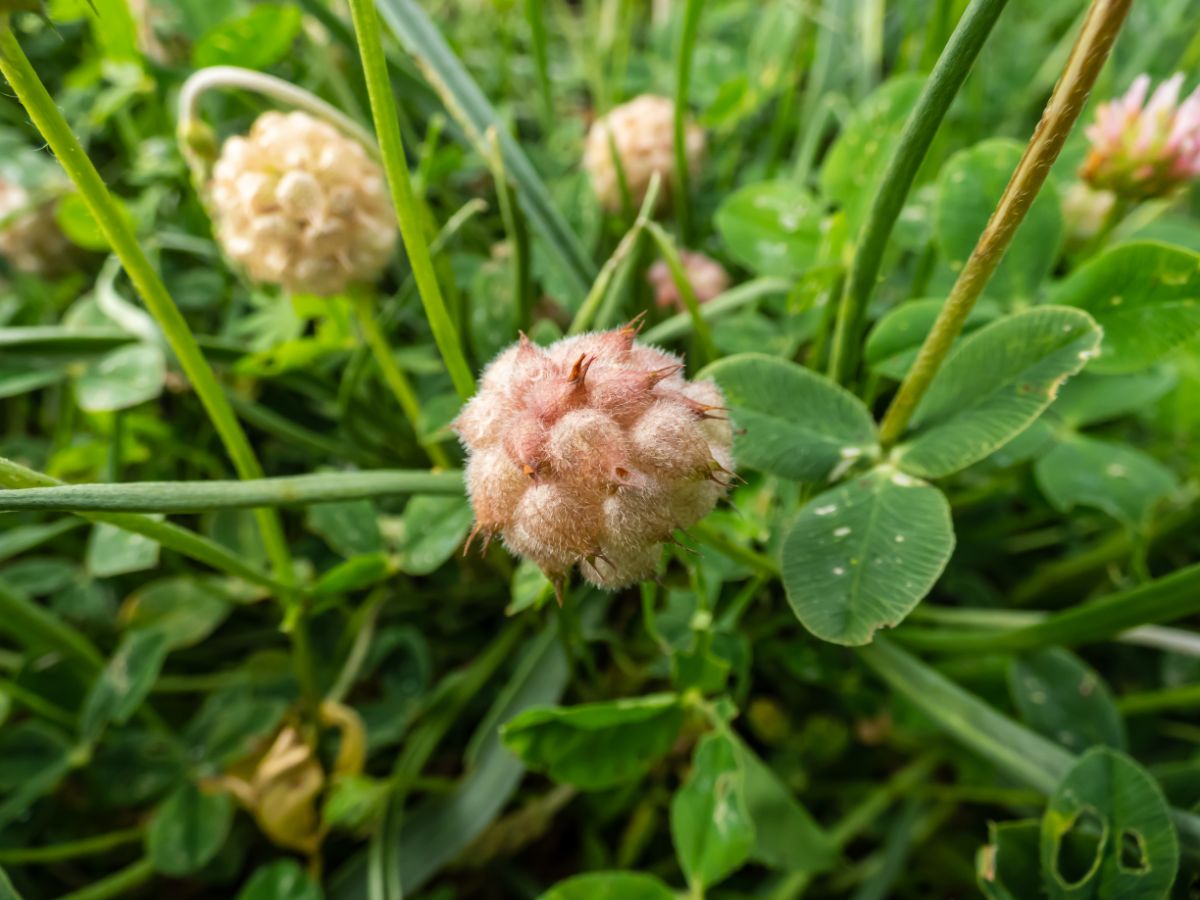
(591, 452)
(1144, 148)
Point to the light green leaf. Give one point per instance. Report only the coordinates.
(772, 228)
(1115, 478)
(112, 550)
(7, 891)
(122, 378)
(257, 39)
(596, 745)
(1089, 398)
(1146, 297)
(185, 609)
(710, 822)
(1062, 697)
(353, 574)
(284, 879)
(78, 224)
(434, 528)
(125, 682)
(895, 340)
(610, 886)
(1107, 833)
(993, 385)
(970, 185)
(796, 423)
(860, 556)
(187, 830)
(856, 161)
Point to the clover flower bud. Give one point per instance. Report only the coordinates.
(707, 277)
(591, 452)
(1085, 211)
(1143, 149)
(642, 135)
(30, 238)
(300, 204)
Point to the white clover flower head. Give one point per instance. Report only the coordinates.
(707, 277)
(1143, 149)
(591, 452)
(300, 204)
(1085, 210)
(642, 134)
(30, 238)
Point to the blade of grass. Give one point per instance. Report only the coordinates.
(470, 108)
(700, 329)
(391, 146)
(1088, 56)
(680, 324)
(204, 496)
(940, 90)
(119, 232)
(535, 17)
(34, 626)
(194, 546)
(1162, 600)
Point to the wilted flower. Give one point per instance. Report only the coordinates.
(300, 204)
(642, 134)
(707, 277)
(593, 451)
(30, 238)
(1141, 149)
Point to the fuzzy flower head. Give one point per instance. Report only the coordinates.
(592, 452)
(30, 239)
(707, 277)
(641, 133)
(300, 204)
(1143, 149)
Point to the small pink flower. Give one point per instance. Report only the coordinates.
(1141, 148)
(591, 452)
(707, 277)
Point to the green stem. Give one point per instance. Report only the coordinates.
(687, 293)
(1091, 49)
(118, 231)
(118, 884)
(941, 88)
(536, 17)
(1186, 697)
(92, 846)
(37, 705)
(204, 496)
(387, 127)
(683, 71)
(731, 301)
(34, 626)
(394, 377)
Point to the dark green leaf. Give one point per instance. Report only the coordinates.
(610, 886)
(1062, 697)
(796, 423)
(125, 682)
(860, 556)
(189, 828)
(350, 527)
(1008, 867)
(1126, 846)
(993, 385)
(34, 757)
(434, 528)
(596, 745)
(1145, 296)
(710, 821)
(1088, 399)
(281, 880)
(185, 610)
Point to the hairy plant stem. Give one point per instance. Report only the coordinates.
(1088, 56)
(394, 377)
(395, 165)
(119, 233)
(940, 89)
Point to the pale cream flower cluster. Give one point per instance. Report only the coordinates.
(30, 238)
(300, 204)
(641, 132)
